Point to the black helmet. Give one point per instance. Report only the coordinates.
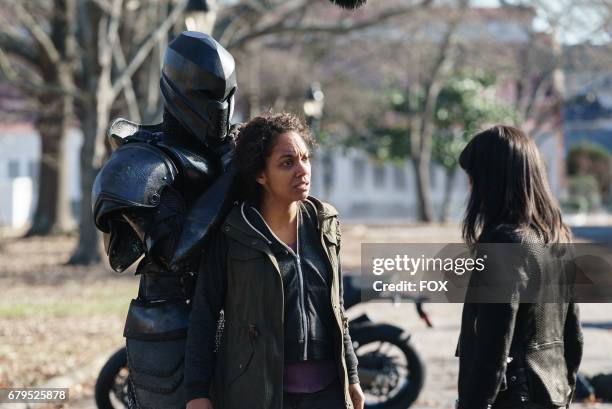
(198, 83)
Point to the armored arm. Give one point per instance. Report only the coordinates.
(159, 228)
(142, 205)
(135, 206)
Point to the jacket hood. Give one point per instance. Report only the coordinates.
(237, 225)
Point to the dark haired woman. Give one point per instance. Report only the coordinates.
(274, 271)
(514, 354)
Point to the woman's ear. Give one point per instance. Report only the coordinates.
(261, 179)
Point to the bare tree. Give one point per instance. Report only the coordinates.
(421, 124)
(101, 70)
(278, 46)
(104, 75)
(539, 63)
(419, 57)
(44, 71)
(98, 38)
(44, 66)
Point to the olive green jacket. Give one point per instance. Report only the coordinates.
(250, 361)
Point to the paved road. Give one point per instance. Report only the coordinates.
(437, 345)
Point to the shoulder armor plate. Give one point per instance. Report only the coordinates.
(121, 129)
(134, 176)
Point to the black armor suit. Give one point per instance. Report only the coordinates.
(159, 194)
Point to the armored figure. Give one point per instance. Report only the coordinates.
(159, 195)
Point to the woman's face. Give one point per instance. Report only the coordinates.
(286, 177)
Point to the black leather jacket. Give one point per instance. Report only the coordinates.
(543, 341)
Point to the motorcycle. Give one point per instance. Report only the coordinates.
(391, 373)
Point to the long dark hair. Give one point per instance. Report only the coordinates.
(254, 145)
(509, 186)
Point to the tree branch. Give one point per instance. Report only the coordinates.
(280, 25)
(113, 26)
(431, 85)
(147, 45)
(39, 34)
(538, 89)
(244, 15)
(30, 83)
(128, 86)
(447, 42)
(20, 48)
(107, 40)
(10, 73)
(104, 6)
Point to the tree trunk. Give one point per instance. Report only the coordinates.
(88, 249)
(93, 114)
(53, 213)
(422, 178)
(95, 119)
(449, 184)
(420, 139)
(254, 88)
(102, 90)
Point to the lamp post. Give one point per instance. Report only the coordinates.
(313, 106)
(200, 15)
(313, 111)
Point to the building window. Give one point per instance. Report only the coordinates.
(379, 176)
(13, 169)
(399, 177)
(359, 166)
(33, 169)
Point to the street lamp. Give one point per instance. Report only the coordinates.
(200, 15)
(313, 105)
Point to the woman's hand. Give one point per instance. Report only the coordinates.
(201, 403)
(356, 395)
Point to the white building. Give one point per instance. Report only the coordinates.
(360, 188)
(19, 164)
(363, 190)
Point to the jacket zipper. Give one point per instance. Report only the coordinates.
(303, 307)
(298, 265)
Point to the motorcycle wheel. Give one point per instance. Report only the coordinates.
(112, 385)
(390, 370)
